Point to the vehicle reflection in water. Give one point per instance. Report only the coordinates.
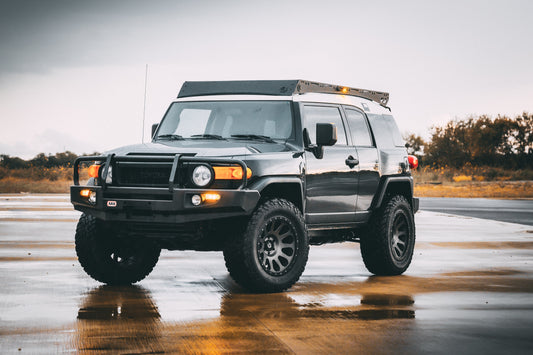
(118, 319)
(126, 319)
(283, 306)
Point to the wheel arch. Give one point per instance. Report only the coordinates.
(394, 185)
(288, 188)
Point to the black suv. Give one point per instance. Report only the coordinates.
(259, 170)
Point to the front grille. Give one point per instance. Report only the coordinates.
(150, 175)
(157, 174)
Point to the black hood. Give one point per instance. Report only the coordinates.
(211, 148)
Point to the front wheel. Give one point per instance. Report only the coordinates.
(270, 255)
(112, 260)
(388, 243)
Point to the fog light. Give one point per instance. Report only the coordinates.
(210, 197)
(196, 200)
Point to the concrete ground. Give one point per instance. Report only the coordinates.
(468, 290)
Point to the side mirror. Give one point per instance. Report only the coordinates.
(154, 128)
(326, 134)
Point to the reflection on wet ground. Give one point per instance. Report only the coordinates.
(469, 290)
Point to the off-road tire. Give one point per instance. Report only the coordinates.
(111, 260)
(271, 253)
(388, 242)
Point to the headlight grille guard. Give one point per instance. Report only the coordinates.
(176, 161)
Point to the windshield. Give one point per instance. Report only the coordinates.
(228, 120)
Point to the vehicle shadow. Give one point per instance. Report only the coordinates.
(126, 319)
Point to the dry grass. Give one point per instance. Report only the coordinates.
(493, 189)
(16, 185)
(488, 182)
(34, 180)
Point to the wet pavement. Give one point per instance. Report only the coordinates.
(513, 211)
(468, 290)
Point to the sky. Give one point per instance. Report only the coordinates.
(72, 73)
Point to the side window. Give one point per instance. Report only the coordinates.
(324, 114)
(358, 128)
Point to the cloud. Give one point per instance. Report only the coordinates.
(49, 142)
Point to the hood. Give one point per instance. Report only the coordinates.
(210, 148)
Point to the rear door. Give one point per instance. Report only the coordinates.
(362, 139)
(331, 185)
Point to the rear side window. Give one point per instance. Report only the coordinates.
(324, 114)
(358, 128)
(385, 131)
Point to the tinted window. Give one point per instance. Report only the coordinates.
(385, 131)
(358, 128)
(324, 114)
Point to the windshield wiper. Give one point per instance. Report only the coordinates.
(254, 137)
(208, 136)
(170, 137)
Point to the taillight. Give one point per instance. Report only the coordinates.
(413, 161)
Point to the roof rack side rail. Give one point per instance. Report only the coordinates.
(379, 97)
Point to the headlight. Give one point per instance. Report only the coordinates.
(109, 177)
(201, 175)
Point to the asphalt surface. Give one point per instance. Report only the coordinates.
(468, 290)
(512, 211)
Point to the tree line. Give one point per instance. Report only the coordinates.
(477, 141)
(41, 160)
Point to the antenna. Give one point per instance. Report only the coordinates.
(144, 106)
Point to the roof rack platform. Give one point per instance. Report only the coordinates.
(276, 88)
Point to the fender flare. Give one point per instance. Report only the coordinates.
(263, 183)
(384, 184)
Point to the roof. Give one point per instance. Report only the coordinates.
(276, 88)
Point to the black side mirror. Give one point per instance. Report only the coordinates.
(326, 134)
(154, 128)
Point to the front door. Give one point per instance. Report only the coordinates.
(331, 184)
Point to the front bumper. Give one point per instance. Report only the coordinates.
(161, 205)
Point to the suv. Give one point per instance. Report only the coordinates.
(259, 170)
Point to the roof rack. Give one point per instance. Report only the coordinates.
(276, 88)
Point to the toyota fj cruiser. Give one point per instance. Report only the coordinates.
(259, 170)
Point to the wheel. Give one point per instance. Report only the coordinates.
(111, 260)
(387, 244)
(271, 253)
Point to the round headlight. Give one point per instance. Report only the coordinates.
(109, 178)
(201, 175)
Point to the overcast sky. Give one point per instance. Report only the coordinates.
(72, 72)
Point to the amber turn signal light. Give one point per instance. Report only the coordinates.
(210, 197)
(230, 172)
(93, 170)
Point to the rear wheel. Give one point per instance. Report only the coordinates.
(271, 253)
(388, 243)
(112, 260)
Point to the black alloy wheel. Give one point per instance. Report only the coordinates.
(388, 242)
(112, 260)
(276, 246)
(270, 254)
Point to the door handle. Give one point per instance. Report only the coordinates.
(351, 161)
